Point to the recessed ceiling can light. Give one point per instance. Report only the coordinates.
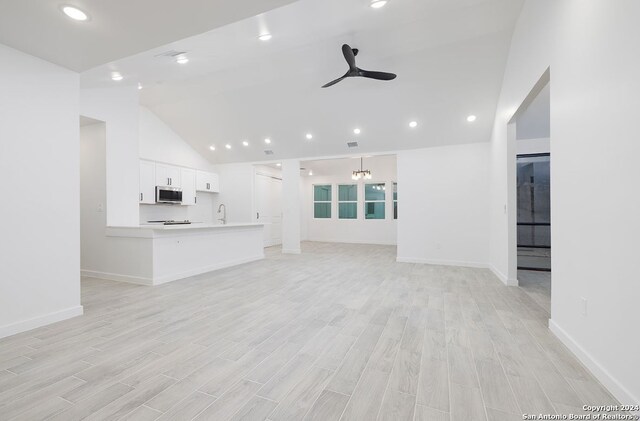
(245, 143)
(413, 124)
(265, 37)
(139, 86)
(182, 60)
(116, 76)
(310, 172)
(227, 146)
(278, 164)
(377, 4)
(267, 141)
(471, 118)
(75, 13)
(213, 148)
(309, 136)
(357, 131)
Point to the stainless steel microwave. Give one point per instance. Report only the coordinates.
(166, 194)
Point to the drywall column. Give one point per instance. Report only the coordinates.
(291, 206)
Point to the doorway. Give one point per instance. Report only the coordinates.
(268, 204)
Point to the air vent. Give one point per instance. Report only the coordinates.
(268, 152)
(303, 169)
(171, 53)
(352, 144)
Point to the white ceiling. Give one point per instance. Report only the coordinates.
(118, 28)
(449, 56)
(535, 120)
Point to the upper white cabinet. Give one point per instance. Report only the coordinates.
(207, 182)
(168, 175)
(147, 182)
(188, 179)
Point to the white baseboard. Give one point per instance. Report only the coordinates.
(342, 241)
(291, 251)
(39, 321)
(611, 383)
(198, 271)
(138, 280)
(505, 280)
(441, 262)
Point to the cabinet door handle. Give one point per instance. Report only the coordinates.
(141, 197)
(195, 200)
(257, 215)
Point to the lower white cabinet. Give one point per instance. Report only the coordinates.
(207, 182)
(147, 182)
(188, 187)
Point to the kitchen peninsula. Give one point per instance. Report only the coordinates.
(156, 254)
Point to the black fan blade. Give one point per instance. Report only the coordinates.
(333, 82)
(349, 56)
(377, 75)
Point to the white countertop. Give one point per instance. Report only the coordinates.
(147, 230)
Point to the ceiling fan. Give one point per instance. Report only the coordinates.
(350, 55)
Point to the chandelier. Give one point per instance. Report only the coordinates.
(361, 174)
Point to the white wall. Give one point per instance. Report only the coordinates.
(532, 146)
(591, 48)
(360, 230)
(237, 191)
(443, 205)
(118, 107)
(159, 143)
(39, 150)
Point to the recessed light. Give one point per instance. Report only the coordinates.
(245, 143)
(182, 60)
(267, 141)
(310, 172)
(278, 164)
(265, 37)
(75, 13)
(213, 148)
(357, 131)
(413, 124)
(377, 4)
(309, 136)
(227, 146)
(139, 86)
(116, 76)
(471, 118)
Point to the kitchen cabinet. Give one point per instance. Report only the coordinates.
(188, 180)
(207, 182)
(168, 175)
(147, 182)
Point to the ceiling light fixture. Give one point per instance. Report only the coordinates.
(357, 131)
(413, 124)
(377, 4)
(471, 118)
(115, 76)
(278, 164)
(75, 13)
(310, 172)
(182, 60)
(227, 146)
(265, 37)
(309, 136)
(139, 86)
(213, 148)
(361, 173)
(245, 143)
(267, 141)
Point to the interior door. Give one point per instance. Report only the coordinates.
(268, 200)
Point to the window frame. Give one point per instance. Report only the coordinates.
(394, 200)
(383, 201)
(330, 201)
(347, 201)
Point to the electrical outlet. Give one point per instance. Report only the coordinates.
(584, 306)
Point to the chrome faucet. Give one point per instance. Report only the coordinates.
(222, 208)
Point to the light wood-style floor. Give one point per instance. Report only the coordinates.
(339, 332)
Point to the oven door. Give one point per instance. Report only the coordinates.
(168, 195)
